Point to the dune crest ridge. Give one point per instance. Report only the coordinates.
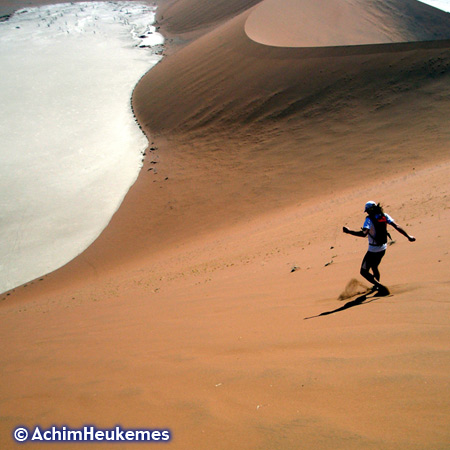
(329, 23)
(186, 16)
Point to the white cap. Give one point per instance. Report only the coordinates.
(369, 205)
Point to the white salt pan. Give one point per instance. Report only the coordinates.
(70, 147)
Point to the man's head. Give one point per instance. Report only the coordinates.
(369, 206)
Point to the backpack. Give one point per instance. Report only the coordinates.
(381, 233)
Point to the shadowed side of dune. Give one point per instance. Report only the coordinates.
(186, 16)
(245, 126)
(274, 124)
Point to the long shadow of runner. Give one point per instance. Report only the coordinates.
(358, 301)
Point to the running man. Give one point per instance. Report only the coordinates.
(375, 227)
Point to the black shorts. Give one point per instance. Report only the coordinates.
(372, 260)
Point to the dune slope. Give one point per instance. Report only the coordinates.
(300, 23)
(245, 127)
(186, 16)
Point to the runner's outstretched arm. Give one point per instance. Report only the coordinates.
(361, 233)
(402, 231)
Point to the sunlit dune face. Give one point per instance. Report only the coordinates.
(329, 23)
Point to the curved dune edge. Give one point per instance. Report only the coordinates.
(332, 23)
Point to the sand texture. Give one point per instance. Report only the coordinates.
(219, 301)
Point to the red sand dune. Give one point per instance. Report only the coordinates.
(185, 313)
(327, 23)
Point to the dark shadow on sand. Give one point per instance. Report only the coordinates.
(363, 299)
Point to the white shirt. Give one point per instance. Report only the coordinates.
(368, 225)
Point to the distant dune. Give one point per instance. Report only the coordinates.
(294, 23)
(270, 124)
